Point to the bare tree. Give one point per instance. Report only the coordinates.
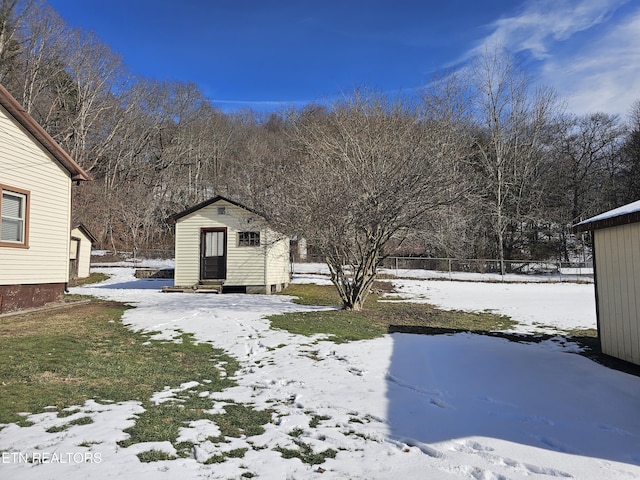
(12, 15)
(630, 168)
(512, 122)
(585, 148)
(369, 169)
(85, 106)
(44, 45)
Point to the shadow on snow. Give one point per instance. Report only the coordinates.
(139, 284)
(450, 385)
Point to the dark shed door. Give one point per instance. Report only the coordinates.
(213, 254)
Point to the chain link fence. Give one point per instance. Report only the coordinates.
(110, 256)
(480, 266)
(475, 265)
(448, 266)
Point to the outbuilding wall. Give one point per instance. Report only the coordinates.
(84, 252)
(278, 260)
(617, 251)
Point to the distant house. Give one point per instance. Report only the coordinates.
(36, 175)
(223, 245)
(80, 251)
(616, 259)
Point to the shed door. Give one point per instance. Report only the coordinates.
(74, 258)
(213, 254)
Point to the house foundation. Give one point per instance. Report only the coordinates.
(20, 297)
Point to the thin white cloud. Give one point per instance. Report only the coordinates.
(259, 105)
(604, 74)
(597, 71)
(543, 22)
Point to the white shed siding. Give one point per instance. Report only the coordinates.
(278, 260)
(84, 257)
(24, 165)
(187, 262)
(84, 267)
(618, 289)
(245, 265)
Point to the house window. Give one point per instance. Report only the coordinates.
(14, 217)
(222, 210)
(249, 239)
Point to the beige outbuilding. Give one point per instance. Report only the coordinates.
(36, 175)
(616, 259)
(224, 246)
(82, 241)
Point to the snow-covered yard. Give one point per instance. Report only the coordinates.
(406, 406)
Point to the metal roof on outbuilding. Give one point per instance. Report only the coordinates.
(623, 215)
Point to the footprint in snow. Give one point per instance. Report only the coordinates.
(471, 447)
(554, 444)
(484, 452)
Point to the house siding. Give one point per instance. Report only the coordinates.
(26, 166)
(618, 290)
(246, 266)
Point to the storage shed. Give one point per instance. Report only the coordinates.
(224, 246)
(616, 261)
(80, 251)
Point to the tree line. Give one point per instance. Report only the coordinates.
(480, 163)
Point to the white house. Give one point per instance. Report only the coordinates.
(223, 245)
(80, 251)
(36, 175)
(616, 262)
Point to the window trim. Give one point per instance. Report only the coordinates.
(27, 214)
(252, 239)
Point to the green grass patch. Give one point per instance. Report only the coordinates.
(94, 277)
(64, 357)
(312, 294)
(239, 420)
(163, 422)
(222, 457)
(66, 426)
(296, 432)
(68, 412)
(88, 444)
(582, 332)
(316, 419)
(154, 456)
(377, 318)
(306, 454)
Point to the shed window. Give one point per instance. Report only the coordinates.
(249, 239)
(14, 208)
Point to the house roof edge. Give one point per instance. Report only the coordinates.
(18, 112)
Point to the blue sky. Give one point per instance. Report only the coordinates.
(272, 53)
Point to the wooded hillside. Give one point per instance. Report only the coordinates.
(481, 164)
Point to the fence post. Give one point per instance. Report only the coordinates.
(450, 270)
(560, 271)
